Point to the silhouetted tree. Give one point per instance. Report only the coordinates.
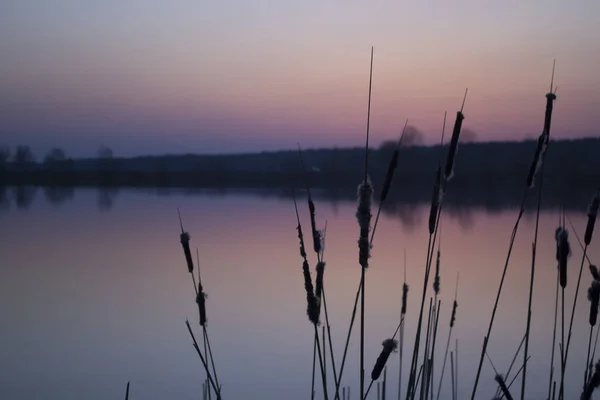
(4, 156)
(23, 157)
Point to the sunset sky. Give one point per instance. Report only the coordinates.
(156, 76)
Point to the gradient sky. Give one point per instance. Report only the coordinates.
(148, 76)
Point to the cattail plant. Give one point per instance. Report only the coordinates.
(366, 245)
(452, 321)
(185, 243)
(594, 298)
(550, 97)
(500, 379)
(402, 316)
(436, 207)
(312, 305)
(592, 383)
(127, 392)
(363, 214)
(592, 213)
(389, 345)
(453, 149)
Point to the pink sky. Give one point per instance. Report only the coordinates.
(153, 76)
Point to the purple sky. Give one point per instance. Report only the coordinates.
(150, 76)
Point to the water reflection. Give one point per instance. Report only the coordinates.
(24, 196)
(58, 195)
(111, 292)
(106, 197)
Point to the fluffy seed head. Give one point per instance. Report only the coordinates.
(389, 345)
(363, 215)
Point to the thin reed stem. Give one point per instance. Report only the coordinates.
(425, 353)
(212, 360)
(312, 385)
(321, 363)
(534, 252)
(335, 377)
(587, 362)
(452, 375)
(430, 380)
(553, 337)
(566, 350)
(210, 378)
(491, 324)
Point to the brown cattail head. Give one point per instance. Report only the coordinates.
(201, 301)
(500, 379)
(592, 214)
(550, 97)
(389, 345)
(595, 272)
(436, 280)
(389, 175)
(563, 251)
(185, 243)
(315, 233)
(404, 298)
(363, 215)
(435, 200)
(319, 281)
(594, 298)
(592, 384)
(312, 305)
(453, 149)
(538, 158)
(453, 318)
(301, 238)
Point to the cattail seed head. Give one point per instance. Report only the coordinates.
(389, 175)
(592, 214)
(201, 301)
(592, 384)
(404, 298)
(301, 238)
(389, 345)
(319, 280)
(312, 305)
(436, 280)
(538, 158)
(500, 379)
(313, 224)
(453, 318)
(435, 200)
(595, 272)
(453, 149)
(594, 298)
(363, 215)
(185, 243)
(563, 251)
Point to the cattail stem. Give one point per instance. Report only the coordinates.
(312, 385)
(430, 377)
(553, 338)
(206, 352)
(452, 375)
(566, 350)
(321, 363)
(210, 378)
(335, 377)
(503, 387)
(127, 392)
(491, 324)
(533, 258)
(587, 362)
(426, 352)
(212, 360)
(516, 376)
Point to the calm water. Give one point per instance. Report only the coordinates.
(94, 292)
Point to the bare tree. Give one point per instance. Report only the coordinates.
(55, 156)
(23, 157)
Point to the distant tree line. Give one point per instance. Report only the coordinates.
(478, 166)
